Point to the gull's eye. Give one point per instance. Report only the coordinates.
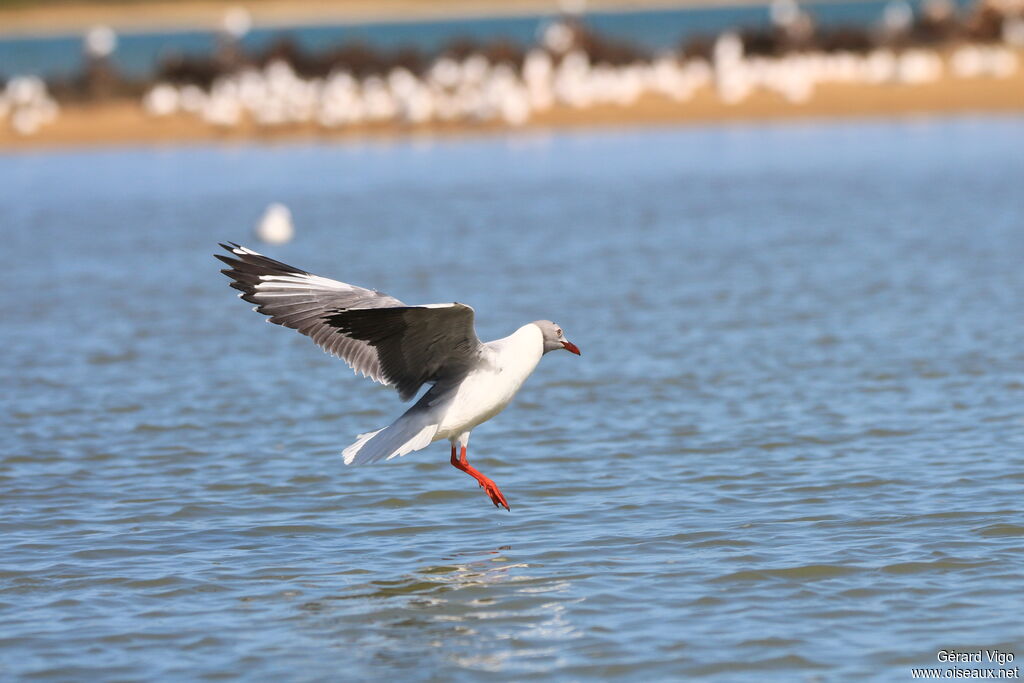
(558, 332)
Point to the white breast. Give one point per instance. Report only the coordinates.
(487, 390)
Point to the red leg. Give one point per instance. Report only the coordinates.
(489, 486)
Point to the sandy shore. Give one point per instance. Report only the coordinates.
(125, 123)
(74, 17)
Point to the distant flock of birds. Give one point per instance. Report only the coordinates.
(26, 105)
(475, 89)
(569, 67)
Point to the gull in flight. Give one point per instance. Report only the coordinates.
(404, 347)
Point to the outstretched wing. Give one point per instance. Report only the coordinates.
(376, 334)
(415, 344)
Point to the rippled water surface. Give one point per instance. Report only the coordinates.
(792, 447)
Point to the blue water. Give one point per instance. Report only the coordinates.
(793, 448)
(137, 54)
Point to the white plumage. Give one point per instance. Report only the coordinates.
(275, 227)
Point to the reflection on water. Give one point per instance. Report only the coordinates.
(447, 608)
(792, 450)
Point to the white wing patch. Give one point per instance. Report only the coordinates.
(301, 282)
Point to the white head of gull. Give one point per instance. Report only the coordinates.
(404, 347)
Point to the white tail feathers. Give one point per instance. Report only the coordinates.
(403, 436)
(350, 452)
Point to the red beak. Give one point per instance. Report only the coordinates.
(570, 347)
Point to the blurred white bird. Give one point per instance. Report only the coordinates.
(236, 22)
(275, 227)
(100, 41)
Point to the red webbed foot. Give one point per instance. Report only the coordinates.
(492, 490)
(495, 493)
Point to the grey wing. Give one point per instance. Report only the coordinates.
(301, 301)
(415, 344)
